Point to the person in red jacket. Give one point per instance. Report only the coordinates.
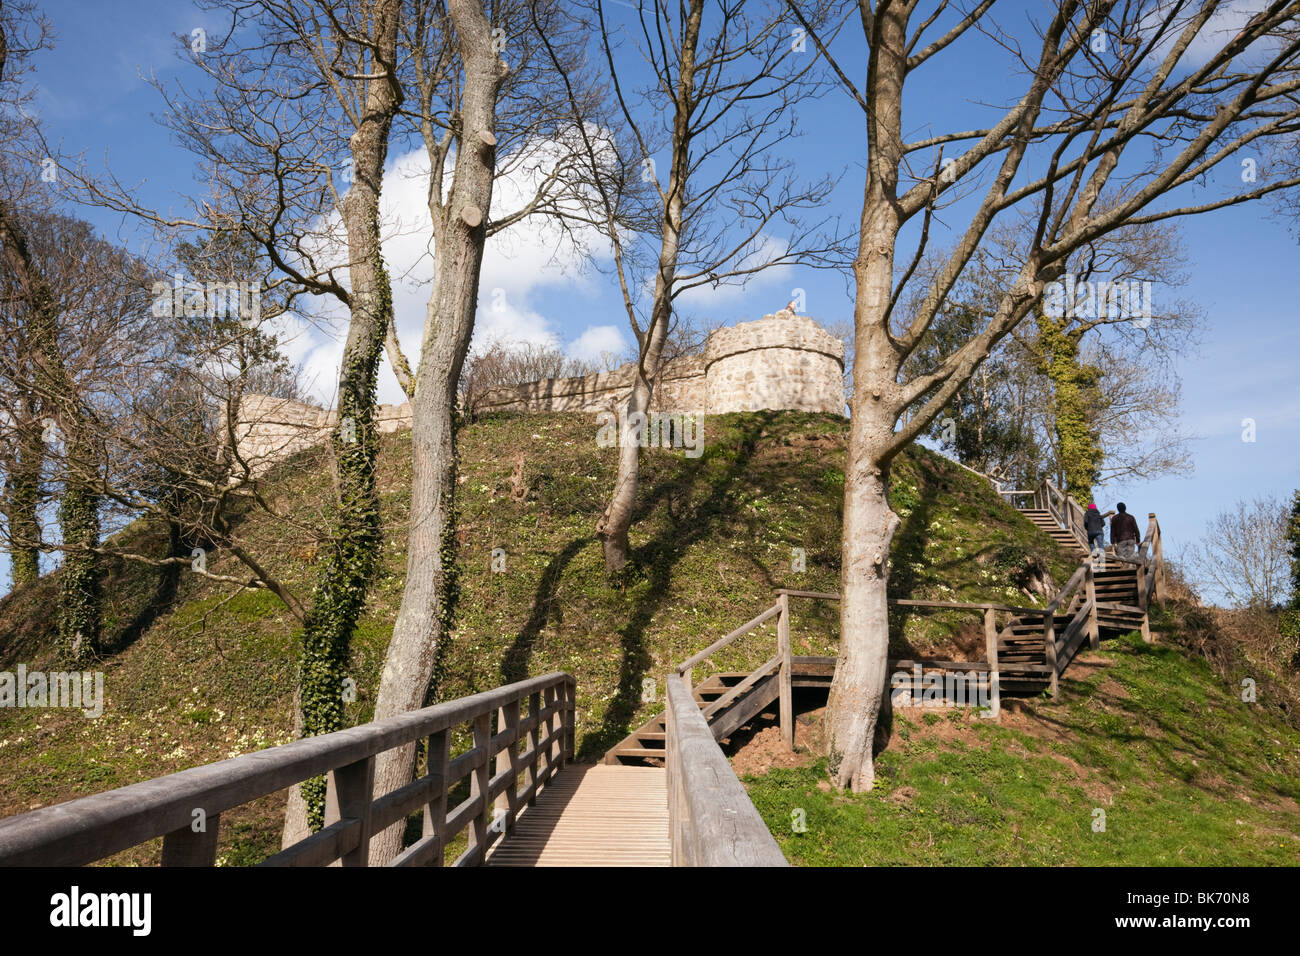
(1095, 525)
(1124, 534)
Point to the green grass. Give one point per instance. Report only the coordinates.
(1184, 772)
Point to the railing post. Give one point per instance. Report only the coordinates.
(547, 728)
(508, 759)
(1094, 626)
(570, 719)
(438, 751)
(1049, 648)
(672, 755)
(786, 694)
(1140, 574)
(348, 794)
(991, 655)
(185, 847)
(478, 787)
(534, 764)
(1158, 554)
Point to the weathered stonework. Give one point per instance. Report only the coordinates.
(782, 361)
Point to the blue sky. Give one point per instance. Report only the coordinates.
(1243, 265)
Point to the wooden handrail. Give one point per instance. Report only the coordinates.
(909, 602)
(711, 820)
(822, 595)
(966, 606)
(91, 828)
(1075, 580)
(722, 642)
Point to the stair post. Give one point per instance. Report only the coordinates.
(1157, 555)
(1094, 626)
(991, 655)
(786, 707)
(1049, 648)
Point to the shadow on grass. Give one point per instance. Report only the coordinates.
(690, 521)
(545, 609)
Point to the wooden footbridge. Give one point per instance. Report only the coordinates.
(497, 784)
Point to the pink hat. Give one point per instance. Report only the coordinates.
(1092, 507)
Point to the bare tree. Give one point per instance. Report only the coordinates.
(501, 363)
(1117, 115)
(1244, 553)
(302, 94)
(23, 32)
(479, 117)
(719, 102)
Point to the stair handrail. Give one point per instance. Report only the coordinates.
(711, 820)
(1149, 564)
(1153, 552)
(684, 669)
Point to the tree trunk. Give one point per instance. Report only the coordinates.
(355, 532)
(22, 495)
(79, 605)
(1076, 398)
(80, 599)
(858, 693)
(613, 526)
(429, 596)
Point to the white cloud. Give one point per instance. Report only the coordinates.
(520, 262)
(1225, 23)
(597, 342)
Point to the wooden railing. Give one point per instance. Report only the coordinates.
(1060, 651)
(987, 610)
(711, 820)
(173, 807)
(778, 663)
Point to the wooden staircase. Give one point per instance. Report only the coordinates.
(1022, 656)
(1025, 658)
(1047, 521)
(728, 703)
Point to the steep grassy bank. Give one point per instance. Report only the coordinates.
(1149, 757)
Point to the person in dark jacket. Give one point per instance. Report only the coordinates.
(1095, 525)
(1124, 533)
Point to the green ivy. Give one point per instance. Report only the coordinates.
(80, 599)
(1077, 396)
(349, 562)
(22, 497)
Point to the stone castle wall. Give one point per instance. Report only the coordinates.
(779, 362)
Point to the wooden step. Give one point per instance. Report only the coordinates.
(640, 753)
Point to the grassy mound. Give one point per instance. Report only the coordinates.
(198, 672)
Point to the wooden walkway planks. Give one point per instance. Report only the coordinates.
(602, 815)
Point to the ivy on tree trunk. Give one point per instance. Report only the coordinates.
(350, 559)
(1076, 399)
(22, 493)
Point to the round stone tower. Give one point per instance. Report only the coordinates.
(782, 361)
